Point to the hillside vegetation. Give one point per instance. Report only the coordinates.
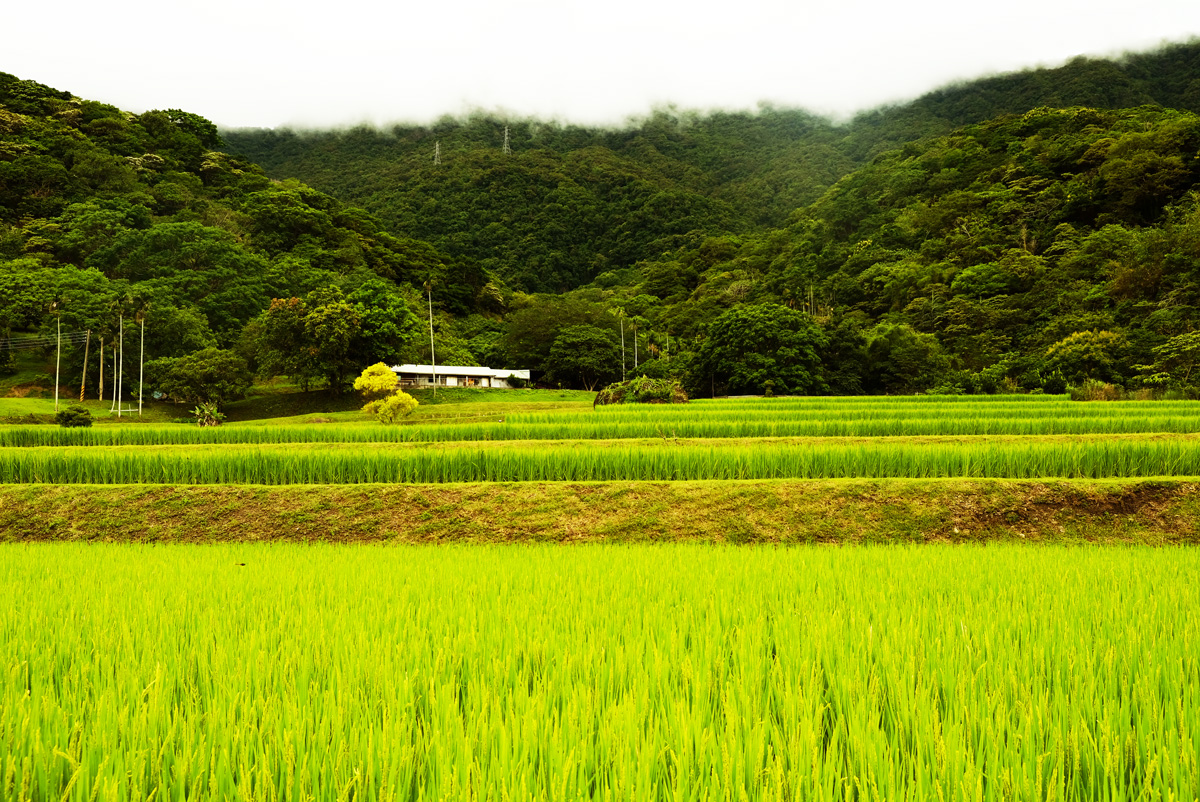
(1033, 231)
(1027, 231)
(109, 220)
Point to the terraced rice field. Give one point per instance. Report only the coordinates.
(703, 419)
(922, 437)
(668, 672)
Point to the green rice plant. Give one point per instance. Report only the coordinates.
(1014, 458)
(648, 673)
(712, 420)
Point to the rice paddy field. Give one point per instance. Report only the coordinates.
(653, 673)
(509, 669)
(922, 437)
(855, 417)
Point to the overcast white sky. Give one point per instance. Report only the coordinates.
(270, 63)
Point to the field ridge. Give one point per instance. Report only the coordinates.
(1156, 511)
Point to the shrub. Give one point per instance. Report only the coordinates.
(1093, 390)
(73, 417)
(642, 390)
(1055, 383)
(206, 414)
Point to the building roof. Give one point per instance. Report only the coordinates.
(460, 370)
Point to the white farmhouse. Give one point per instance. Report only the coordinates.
(456, 376)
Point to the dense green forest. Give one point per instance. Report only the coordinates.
(111, 220)
(1024, 232)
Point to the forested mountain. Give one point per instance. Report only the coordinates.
(108, 216)
(1023, 232)
(567, 203)
(1060, 240)
(1169, 77)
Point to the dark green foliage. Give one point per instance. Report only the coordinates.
(566, 206)
(107, 212)
(73, 417)
(206, 267)
(642, 390)
(327, 337)
(1175, 363)
(386, 326)
(748, 346)
(8, 362)
(569, 204)
(211, 375)
(1055, 384)
(901, 360)
(535, 322)
(1012, 234)
(584, 356)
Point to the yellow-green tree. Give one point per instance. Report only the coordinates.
(376, 383)
(396, 406)
(381, 389)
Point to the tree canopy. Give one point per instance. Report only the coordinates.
(1019, 233)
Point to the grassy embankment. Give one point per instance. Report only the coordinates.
(833, 511)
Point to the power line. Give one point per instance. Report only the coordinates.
(32, 343)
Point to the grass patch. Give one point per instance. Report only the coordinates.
(36, 410)
(837, 511)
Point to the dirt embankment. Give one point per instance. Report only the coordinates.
(846, 511)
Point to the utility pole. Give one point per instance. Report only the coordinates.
(113, 381)
(83, 382)
(141, 360)
(100, 388)
(432, 353)
(620, 313)
(120, 361)
(57, 360)
(622, 346)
